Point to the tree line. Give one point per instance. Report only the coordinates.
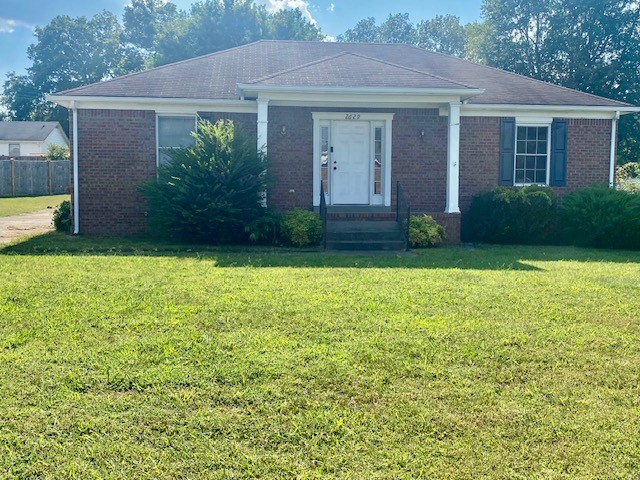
(589, 45)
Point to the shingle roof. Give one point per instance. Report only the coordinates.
(216, 76)
(353, 70)
(26, 131)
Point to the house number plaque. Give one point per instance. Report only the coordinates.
(352, 116)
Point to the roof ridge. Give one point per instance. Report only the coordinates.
(341, 54)
(518, 75)
(297, 67)
(411, 68)
(166, 65)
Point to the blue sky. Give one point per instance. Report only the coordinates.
(18, 17)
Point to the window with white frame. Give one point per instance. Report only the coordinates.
(378, 155)
(532, 154)
(14, 149)
(324, 156)
(174, 132)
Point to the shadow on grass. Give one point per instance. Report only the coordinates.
(486, 257)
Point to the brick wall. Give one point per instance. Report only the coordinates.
(479, 156)
(418, 162)
(588, 153)
(117, 152)
(588, 144)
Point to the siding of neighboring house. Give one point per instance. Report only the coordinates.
(55, 137)
(26, 148)
(117, 152)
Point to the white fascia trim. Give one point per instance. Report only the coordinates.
(564, 111)
(160, 105)
(301, 93)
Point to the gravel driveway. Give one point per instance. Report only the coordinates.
(32, 223)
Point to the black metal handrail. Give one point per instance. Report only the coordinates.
(323, 215)
(403, 214)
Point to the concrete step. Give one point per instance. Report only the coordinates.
(365, 245)
(363, 236)
(363, 226)
(360, 217)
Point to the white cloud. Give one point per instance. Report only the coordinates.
(8, 25)
(302, 5)
(332, 7)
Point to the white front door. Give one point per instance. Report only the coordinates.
(350, 174)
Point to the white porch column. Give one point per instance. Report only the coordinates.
(453, 159)
(263, 123)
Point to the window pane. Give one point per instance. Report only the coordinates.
(14, 149)
(324, 158)
(175, 131)
(542, 147)
(531, 162)
(377, 161)
(542, 134)
(164, 156)
(531, 155)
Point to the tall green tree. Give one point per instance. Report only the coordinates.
(210, 26)
(143, 19)
(589, 45)
(365, 31)
(214, 25)
(397, 28)
(68, 52)
(440, 34)
(290, 24)
(443, 33)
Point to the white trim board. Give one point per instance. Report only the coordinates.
(534, 112)
(386, 118)
(160, 105)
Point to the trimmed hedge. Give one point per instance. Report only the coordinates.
(602, 217)
(522, 215)
(596, 216)
(424, 231)
(301, 228)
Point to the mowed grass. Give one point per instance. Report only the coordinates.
(19, 205)
(128, 359)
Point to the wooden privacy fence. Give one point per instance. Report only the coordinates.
(21, 178)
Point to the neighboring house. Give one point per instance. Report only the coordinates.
(358, 117)
(30, 139)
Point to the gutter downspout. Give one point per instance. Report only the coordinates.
(76, 185)
(612, 157)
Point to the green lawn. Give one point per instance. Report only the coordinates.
(128, 359)
(18, 205)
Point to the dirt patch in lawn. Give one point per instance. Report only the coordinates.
(12, 228)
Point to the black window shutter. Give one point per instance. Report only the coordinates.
(558, 177)
(507, 150)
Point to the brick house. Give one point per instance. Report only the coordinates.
(354, 118)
